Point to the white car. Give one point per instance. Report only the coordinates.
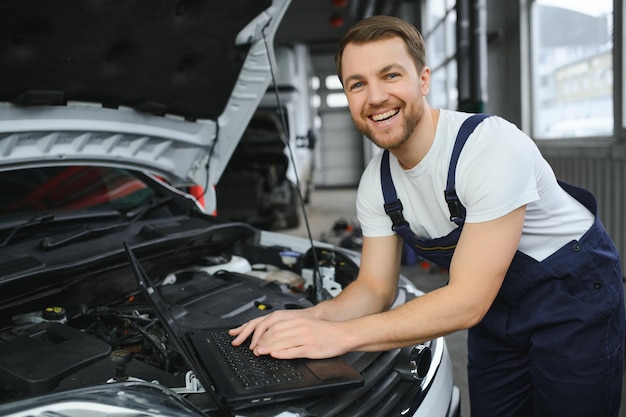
(117, 119)
(259, 170)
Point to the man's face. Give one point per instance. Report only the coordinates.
(384, 90)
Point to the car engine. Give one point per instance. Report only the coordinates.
(95, 330)
(69, 345)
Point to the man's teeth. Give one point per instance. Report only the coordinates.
(383, 116)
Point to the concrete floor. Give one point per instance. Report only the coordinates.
(329, 205)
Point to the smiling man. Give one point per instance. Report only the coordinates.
(387, 112)
(533, 274)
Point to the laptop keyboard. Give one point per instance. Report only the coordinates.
(252, 370)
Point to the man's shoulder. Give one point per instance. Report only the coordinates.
(453, 119)
(374, 162)
(492, 128)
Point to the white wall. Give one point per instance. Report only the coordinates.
(339, 155)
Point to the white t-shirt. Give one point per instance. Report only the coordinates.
(499, 169)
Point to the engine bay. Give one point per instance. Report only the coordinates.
(78, 342)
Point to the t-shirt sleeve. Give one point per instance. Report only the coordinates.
(497, 173)
(370, 210)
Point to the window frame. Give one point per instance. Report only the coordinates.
(530, 71)
(441, 69)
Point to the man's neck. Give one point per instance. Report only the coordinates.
(410, 154)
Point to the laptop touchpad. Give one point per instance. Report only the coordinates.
(325, 370)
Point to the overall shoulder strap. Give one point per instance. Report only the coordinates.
(393, 205)
(457, 211)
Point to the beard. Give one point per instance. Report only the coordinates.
(390, 139)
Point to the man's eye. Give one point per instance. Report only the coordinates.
(356, 85)
(392, 76)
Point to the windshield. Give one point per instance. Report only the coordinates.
(69, 189)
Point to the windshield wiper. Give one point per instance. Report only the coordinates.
(138, 212)
(61, 239)
(43, 218)
(131, 216)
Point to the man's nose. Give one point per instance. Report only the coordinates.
(377, 93)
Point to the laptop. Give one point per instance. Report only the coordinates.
(223, 369)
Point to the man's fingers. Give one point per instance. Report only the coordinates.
(240, 335)
(257, 328)
(284, 335)
(244, 331)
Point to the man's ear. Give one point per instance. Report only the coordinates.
(425, 80)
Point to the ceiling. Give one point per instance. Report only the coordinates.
(309, 21)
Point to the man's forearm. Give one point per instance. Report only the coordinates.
(356, 300)
(434, 314)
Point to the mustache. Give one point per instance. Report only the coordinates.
(375, 109)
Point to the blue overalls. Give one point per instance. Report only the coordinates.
(552, 343)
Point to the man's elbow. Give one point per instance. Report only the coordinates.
(472, 320)
(389, 303)
(382, 303)
(474, 315)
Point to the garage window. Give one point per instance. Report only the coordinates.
(440, 35)
(572, 72)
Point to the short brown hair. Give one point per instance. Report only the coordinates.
(384, 27)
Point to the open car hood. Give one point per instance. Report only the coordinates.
(165, 86)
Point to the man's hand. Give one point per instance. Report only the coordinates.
(288, 334)
(325, 330)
